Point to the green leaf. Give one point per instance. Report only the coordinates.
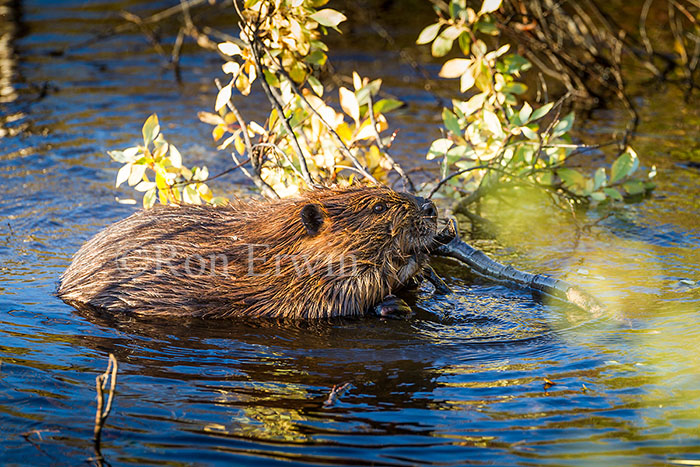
(479, 48)
(316, 85)
(149, 198)
(563, 125)
(200, 174)
(362, 94)
(599, 179)
(459, 153)
(634, 187)
(439, 148)
(123, 174)
(441, 46)
(572, 178)
(190, 195)
(464, 42)
(150, 129)
(525, 113)
(529, 133)
(598, 196)
(542, 111)
(454, 68)
(466, 82)
(118, 156)
(328, 17)
(515, 88)
(271, 78)
(298, 72)
(624, 166)
(451, 122)
(493, 124)
(512, 63)
(229, 48)
(613, 193)
(386, 105)
(144, 186)
(428, 34)
(486, 27)
(316, 57)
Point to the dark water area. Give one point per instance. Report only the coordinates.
(462, 382)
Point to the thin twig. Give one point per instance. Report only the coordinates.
(643, 27)
(102, 408)
(373, 120)
(340, 144)
(266, 189)
(453, 175)
(175, 55)
(337, 391)
(280, 113)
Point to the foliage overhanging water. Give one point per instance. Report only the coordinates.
(461, 382)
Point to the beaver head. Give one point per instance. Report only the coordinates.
(329, 252)
(373, 220)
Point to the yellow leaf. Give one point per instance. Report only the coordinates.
(226, 143)
(231, 68)
(344, 132)
(356, 81)
(229, 48)
(204, 192)
(218, 132)
(455, 68)
(243, 84)
(161, 182)
(466, 82)
(348, 102)
(123, 174)
(489, 5)
(239, 145)
(223, 97)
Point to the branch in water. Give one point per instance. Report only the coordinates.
(452, 246)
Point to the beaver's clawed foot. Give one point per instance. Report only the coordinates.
(393, 307)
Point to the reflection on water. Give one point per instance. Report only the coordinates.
(461, 382)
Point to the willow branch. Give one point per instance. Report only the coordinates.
(280, 112)
(385, 149)
(340, 144)
(266, 189)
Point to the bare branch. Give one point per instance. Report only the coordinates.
(406, 180)
(101, 384)
(270, 93)
(266, 189)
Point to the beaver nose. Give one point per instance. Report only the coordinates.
(428, 209)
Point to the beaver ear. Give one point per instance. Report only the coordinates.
(312, 218)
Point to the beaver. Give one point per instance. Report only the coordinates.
(330, 252)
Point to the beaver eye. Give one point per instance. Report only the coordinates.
(379, 208)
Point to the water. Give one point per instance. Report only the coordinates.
(460, 383)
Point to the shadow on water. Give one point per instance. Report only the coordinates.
(462, 382)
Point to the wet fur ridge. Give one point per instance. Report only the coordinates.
(331, 252)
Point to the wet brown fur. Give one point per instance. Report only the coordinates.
(298, 271)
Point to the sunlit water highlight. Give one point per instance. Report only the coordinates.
(460, 383)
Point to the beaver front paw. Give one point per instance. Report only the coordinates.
(393, 307)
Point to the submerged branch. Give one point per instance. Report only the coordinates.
(102, 408)
(484, 266)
